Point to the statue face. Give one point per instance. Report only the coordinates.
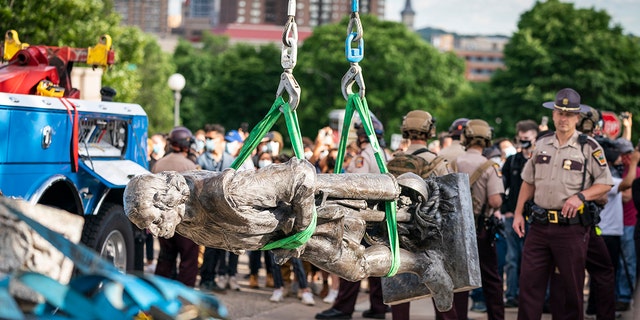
(157, 202)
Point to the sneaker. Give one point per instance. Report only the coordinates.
(233, 283)
(307, 298)
(331, 296)
(222, 281)
(277, 295)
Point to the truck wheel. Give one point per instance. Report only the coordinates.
(110, 234)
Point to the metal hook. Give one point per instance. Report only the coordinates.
(288, 83)
(353, 75)
(289, 53)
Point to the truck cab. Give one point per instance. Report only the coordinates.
(68, 153)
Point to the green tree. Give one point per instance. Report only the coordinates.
(230, 84)
(559, 46)
(401, 71)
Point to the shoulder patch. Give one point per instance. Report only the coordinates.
(498, 170)
(599, 156)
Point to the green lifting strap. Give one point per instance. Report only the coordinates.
(259, 131)
(355, 103)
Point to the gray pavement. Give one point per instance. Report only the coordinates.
(254, 304)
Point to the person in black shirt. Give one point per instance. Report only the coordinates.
(527, 130)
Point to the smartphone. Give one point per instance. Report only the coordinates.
(545, 121)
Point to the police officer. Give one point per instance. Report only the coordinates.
(344, 305)
(566, 170)
(452, 151)
(180, 140)
(418, 126)
(487, 188)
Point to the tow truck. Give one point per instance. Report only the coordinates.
(59, 150)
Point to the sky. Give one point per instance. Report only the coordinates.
(489, 17)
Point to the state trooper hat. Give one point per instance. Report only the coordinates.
(567, 100)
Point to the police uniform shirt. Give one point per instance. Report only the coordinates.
(451, 152)
(440, 170)
(489, 183)
(556, 171)
(364, 162)
(174, 161)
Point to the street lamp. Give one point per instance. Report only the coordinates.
(176, 83)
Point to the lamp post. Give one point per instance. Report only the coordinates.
(176, 83)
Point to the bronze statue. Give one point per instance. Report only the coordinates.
(246, 210)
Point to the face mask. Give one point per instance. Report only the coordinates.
(157, 149)
(308, 155)
(525, 144)
(199, 145)
(232, 148)
(264, 163)
(509, 151)
(210, 145)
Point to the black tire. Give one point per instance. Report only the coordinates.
(110, 234)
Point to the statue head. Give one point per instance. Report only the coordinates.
(156, 202)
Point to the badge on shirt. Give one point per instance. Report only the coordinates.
(599, 156)
(567, 164)
(359, 161)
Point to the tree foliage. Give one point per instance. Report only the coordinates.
(558, 46)
(401, 72)
(141, 70)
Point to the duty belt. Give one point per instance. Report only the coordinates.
(555, 216)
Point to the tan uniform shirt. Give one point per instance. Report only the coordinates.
(364, 162)
(174, 162)
(451, 152)
(440, 170)
(489, 183)
(556, 171)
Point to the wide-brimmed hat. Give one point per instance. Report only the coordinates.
(567, 100)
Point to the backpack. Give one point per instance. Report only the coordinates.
(411, 162)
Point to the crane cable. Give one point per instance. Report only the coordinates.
(356, 102)
(288, 84)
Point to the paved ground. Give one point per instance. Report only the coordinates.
(254, 304)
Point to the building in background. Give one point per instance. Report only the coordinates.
(407, 15)
(151, 16)
(260, 21)
(483, 55)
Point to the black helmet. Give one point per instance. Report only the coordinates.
(455, 130)
(378, 128)
(181, 137)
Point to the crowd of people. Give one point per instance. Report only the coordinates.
(550, 208)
